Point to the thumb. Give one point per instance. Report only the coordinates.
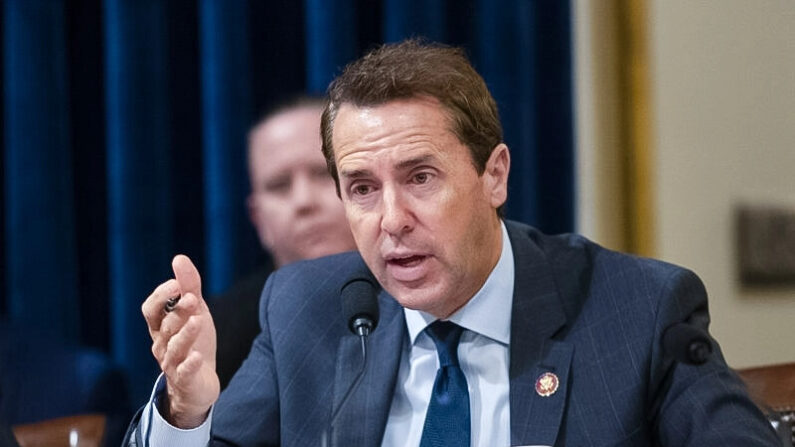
(187, 275)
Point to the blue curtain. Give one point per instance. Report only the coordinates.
(124, 131)
(40, 248)
(139, 164)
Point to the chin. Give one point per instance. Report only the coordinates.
(417, 299)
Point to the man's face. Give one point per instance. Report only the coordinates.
(423, 219)
(293, 202)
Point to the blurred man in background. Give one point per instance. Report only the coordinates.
(293, 206)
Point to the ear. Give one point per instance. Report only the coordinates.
(495, 176)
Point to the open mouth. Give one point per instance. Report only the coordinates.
(408, 269)
(408, 261)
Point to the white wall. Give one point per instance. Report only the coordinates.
(723, 86)
(723, 110)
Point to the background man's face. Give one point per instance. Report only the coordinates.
(423, 219)
(293, 202)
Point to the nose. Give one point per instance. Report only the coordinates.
(304, 195)
(397, 217)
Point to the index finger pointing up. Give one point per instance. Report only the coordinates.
(187, 276)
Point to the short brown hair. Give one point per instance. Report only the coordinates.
(410, 69)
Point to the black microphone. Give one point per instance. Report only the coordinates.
(360, 309)
(359, 303)
(687, 344)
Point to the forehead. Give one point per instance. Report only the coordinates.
(287, 137)
(292, 125)
(406, 124)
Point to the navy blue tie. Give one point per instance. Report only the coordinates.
(447, 421)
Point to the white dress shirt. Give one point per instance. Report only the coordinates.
(160, 433)
(483, 356)
(482, 353)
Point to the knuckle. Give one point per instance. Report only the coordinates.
(146, 310)
(172, 343)
(189, 302)
(167, 360)
(158, 350)
(164, 366)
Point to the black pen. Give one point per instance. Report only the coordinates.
(171, 304)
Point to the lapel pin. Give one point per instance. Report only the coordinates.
(547, 384)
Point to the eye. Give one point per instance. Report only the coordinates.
(320, 172)
(361, 189)
(421, 178)
(278, 185)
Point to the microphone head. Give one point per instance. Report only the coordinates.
(686, 344)
(360, 302)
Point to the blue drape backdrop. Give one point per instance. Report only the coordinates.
(124, 131)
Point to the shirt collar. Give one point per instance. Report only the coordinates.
(488, 313)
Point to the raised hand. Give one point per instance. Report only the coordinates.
(183, 343)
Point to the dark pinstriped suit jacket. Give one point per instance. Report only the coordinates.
(591, 316)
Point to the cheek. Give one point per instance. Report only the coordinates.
(445, 213)
(328, 198)
(457, 220)
(358, 226)
(260, 213)
(364, 228)
(273, 216)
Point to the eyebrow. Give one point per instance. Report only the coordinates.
(401, 166)
(354, 173)
(412, 162)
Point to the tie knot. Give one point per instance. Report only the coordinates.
(446, 336)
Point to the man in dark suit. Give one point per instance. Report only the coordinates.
(491, 333)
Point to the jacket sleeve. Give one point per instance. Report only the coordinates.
(247, 413)
(699, 405)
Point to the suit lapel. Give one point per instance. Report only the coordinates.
(365, 415)
(537, 314)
